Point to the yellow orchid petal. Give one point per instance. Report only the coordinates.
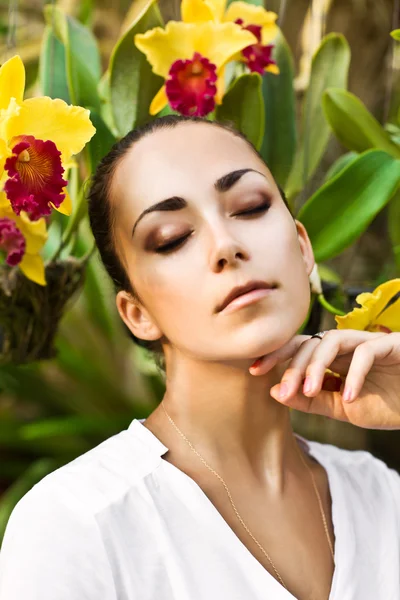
(32, 266)
(4, 202)
(69, 127)
(12, 110)
(220, 86)
(65, 207)
(269, 33)
(390, 318)
(12, 81)
(272, 69)
(196, 11)
(4, 153)
(358, 318)
(218, 8)
(250, 14)
(367, 316)
(70, 164)
(215, 41)
(35, 232)
(159, 101)
(220, 42)
(5, 207)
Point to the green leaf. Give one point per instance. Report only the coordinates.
(279, 143)
(133, 84)
(82, 57)
(394, 228)
(105, 102)
(342, 162)
(101, 142)
(52, 67)
(394, 132)
(329, 68)
(255, 2)
(73, 425)
(328, 274)
(85, 11)
(395, 34)
(353, 124)
(243, 106)
(341, 210)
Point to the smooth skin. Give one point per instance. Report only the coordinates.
(227, 413)
(368, 361)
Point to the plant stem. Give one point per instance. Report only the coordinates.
(329, 307)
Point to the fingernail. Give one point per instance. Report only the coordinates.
(283, 390)
(257, 363)
(347, 394)
(307, 385)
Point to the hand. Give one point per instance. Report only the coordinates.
(368, 362)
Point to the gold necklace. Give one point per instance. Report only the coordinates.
(234, 507)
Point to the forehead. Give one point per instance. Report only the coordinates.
(180, 161)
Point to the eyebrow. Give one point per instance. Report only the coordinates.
(223, 184)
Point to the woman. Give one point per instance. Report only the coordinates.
(213, 496)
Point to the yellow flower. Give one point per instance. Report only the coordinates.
(21, 240)
(38, 137)
(191, 58)
(252, 18)
(379, 311)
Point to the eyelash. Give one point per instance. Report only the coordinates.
(178, 242)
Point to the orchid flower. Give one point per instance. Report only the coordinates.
(21, 240)
(379, 310)
(260, 22)
(191, 58)
(38, 137)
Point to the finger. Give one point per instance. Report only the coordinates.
(293, 376)
(266, 362)
(310, 364)
(385, 348)
(327, 404)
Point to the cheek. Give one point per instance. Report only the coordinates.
(172, 294)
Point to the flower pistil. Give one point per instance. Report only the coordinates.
(35, 183)
(191, 86)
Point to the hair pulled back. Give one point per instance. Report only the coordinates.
(102, 212)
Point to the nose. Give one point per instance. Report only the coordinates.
(227, 250)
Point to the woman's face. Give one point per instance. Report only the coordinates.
(200, 170)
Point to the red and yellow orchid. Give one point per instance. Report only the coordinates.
(379, 310)
(21, 241)
(38, 137)
(260, 22)
(191, 58)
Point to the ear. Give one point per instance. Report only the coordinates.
(136, 317)
(305, 246)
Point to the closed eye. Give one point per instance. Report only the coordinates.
(172, 245)
(178, 242)
(255, 210)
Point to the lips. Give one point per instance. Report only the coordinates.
(243, 289)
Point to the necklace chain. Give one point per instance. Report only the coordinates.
(234, 507)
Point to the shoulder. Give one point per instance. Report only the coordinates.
(54, 533)
(360, 470)
(97, 478)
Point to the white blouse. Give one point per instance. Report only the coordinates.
(121, 523)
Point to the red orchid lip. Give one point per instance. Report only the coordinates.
(243, 289)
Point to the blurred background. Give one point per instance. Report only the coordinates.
(54, 410)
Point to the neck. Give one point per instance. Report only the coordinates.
(230, 418)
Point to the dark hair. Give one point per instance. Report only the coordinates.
(102, 214)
